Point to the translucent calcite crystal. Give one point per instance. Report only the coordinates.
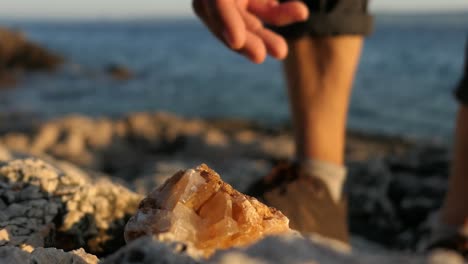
(197, 208)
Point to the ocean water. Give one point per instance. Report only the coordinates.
(404, 84)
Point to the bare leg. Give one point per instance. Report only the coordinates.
(455, 209)
(320, 73)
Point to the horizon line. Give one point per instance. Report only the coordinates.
(190, 16)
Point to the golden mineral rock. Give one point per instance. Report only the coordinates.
(197, 208)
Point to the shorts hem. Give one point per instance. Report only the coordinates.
(329, 25)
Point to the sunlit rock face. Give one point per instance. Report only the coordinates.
(197, 208)
(61, 206)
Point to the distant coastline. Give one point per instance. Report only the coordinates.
(456, 17)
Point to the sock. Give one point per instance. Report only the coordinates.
(331, 174)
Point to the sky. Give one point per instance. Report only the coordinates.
(96, 9)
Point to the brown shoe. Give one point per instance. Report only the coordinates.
(305, 200)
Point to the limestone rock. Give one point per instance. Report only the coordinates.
(41, 206)
(19, 54)
(13, 255)
(27, 211)
(16, 52)
(53, 255)
(280, 249)
(196, 207)
(119, 72)
(285, 249)
(304, 250)
(398, 188)
(5, 154)
(147, 251)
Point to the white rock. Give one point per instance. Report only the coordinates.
(35, 195)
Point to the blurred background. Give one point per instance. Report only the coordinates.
(73, 74)
(150, 55)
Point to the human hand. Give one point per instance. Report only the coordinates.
(239, 24)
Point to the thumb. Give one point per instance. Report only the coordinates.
(279, 14)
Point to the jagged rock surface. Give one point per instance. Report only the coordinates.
(144, 148)
(14, 255)
(396, 195)
(119, 72)
(17, 54)
(147, 251)
(393, 183)
(137, 144)
(197, 208)
(294, 249)
(52, 255)
(282, 249)
(40, 206)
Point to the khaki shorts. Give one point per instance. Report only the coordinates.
(331, 17)
(348, 17)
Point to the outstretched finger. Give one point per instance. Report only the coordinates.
(279, 14)
(252, 23)
(230, 21)
(254, 48)
(275, 44)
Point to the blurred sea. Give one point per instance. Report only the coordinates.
(409, 68)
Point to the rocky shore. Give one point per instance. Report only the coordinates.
(19, 55)
(68, 186)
